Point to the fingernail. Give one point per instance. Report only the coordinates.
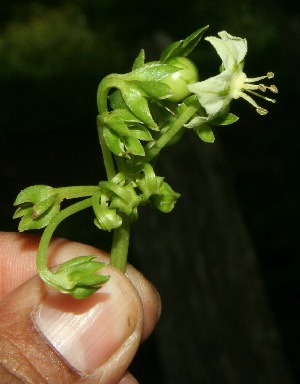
(88, 332)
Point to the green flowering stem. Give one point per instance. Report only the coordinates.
(75, 192)
(120, 244)
(110, 81)
(161, 142)
(106, 153)
(41, 258)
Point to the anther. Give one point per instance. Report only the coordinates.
(261, 111)
(262, 87)
(270, 75)
(273, 88)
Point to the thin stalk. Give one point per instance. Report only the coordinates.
(41, 258)
(75, 192)
(167, 136)
(120, 244)
(106, 153)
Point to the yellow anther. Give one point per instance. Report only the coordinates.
(261, 111)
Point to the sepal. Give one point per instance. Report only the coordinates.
(137, 104)
(78, 276)
(37, 205)
(165, 200)
(150, 184)
(183, 47)
(205, 133)
(139, 61)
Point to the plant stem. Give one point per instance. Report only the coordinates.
(107, 156)
(167, 136)
(119, 252)
(41, 258)
(76, 191)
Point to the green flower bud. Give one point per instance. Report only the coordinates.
(179, 80)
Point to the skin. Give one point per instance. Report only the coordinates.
(25, 355)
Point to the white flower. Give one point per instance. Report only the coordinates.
(217, 92)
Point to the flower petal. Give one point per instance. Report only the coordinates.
(213, 93)
(231, 49)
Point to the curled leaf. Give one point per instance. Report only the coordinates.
(165, 200)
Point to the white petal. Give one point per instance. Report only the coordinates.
(231, 49)
(213, 93)
(196, 122)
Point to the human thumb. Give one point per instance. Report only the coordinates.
(49, 337)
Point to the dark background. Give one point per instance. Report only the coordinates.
(53, 55)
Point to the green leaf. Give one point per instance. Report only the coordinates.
(138, 105)
(140, 132)
(226, 119)
(166, 199)
(155, 89)
(116, 100)
(106, 218)
(78, 276)
(126, 115)
(154, 71)
(113, 141)
(37, 206)
(34, 194)
(115, 123)
(139, 61)
(30, 221)
(78, 262)
(205, 133)
(183, 47)
(125, 199)
(134, 146)
(82, 292)
(43, 206)
(149, 184)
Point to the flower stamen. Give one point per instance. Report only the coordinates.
(250, 88)
(260, 110)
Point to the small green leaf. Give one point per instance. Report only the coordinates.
(78, 276)
(139, 61)
(126, 115)
(226, 119)
(125, 199)
(140, 132)
(205, 133)
(43, 206)
(149, 184)
(166, 199)
(155, 89)
(37, 206)
(113, 141)
(34, 194)
(106, 218)
(154, 71)
(78, 262)
(115, 123)
(134, 146)
(138, 105)
(116, 100)
(183, 47)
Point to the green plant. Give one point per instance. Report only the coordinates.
(140, 113)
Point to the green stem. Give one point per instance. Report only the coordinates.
(106, 153)
(76, 191)
(110, 81)
(41, 258)
(118, 257)
(171, 132)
